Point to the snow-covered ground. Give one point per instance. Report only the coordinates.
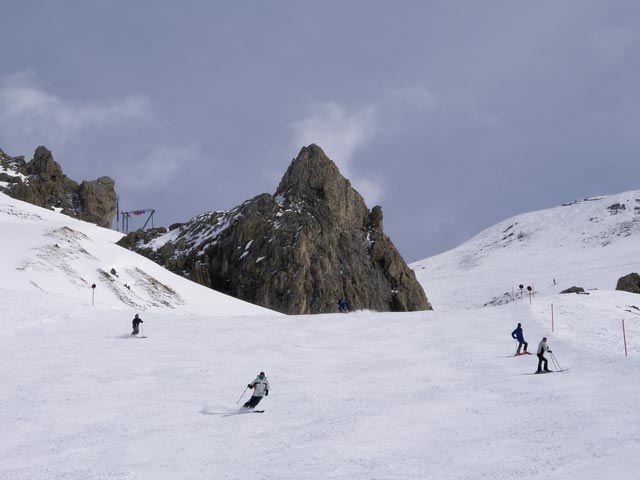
(358, 396)
(44, 252)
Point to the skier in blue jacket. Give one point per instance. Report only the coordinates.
(342, 305)
(517, 334)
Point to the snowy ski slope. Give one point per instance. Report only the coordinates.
(358, 396)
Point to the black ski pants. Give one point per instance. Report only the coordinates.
(520, 344)
(541, 359)
(253, 401)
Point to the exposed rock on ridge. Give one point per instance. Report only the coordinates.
(298, 251)
(41, 182)
(629, 283)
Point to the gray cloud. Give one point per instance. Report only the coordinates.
(451, 115)
(29, 113)
(340, 132)
(159, 166)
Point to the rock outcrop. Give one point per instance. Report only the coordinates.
(298, 251)
(574, 290)
(42, 182)
(629, 283)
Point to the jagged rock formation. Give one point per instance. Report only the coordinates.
(298, 251)
(41, 182)
(629, 283)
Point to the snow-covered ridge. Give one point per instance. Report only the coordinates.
(49, 253)
(579, 224)
(203, 230)
(597, 239)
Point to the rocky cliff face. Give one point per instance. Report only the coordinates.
(41, 182)
(298, 251)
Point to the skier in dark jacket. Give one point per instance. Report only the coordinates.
(342, 305)
(542, 347)
(136, 323)
(260, 389)
(517, 334)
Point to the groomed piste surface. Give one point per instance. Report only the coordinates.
(353, 396)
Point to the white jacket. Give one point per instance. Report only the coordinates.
(261, 385)
(542, 347)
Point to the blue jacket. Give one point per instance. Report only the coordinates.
(517, 334)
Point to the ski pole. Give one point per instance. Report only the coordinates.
(553, 360)
(556, 361)
(245, 391)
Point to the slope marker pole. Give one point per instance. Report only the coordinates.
(624, 337)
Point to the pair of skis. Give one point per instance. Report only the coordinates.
(548, 371)
(243, 412)
(558, 370)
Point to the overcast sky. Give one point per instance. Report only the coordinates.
(452, 115)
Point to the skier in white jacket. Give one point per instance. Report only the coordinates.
(542, 347)
(260, 389)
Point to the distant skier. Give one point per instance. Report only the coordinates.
(136, 323)
(517, 334)
(542, 347)
(342, 305)
(260, 389)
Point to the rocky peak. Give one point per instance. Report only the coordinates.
(312, 175)
(43, 166)
(42, 183)
(313, 182)
(298, 251)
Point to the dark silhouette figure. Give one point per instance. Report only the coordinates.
(136, 323)
(342, 305)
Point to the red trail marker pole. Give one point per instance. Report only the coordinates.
(624, 337)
